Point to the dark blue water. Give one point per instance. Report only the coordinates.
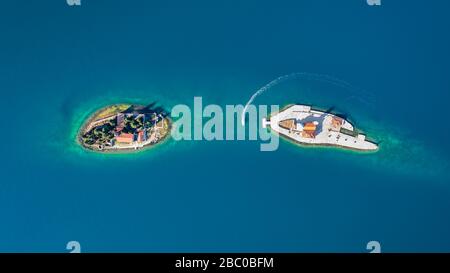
(59, 63)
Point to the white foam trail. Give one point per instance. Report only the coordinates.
(311, 76)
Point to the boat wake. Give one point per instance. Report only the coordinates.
(309, 76)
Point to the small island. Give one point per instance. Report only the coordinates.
(304, 125)
(124, 127)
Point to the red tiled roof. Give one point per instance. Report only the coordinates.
(125, 138)
(309, 127)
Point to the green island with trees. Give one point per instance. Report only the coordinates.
(124, 127)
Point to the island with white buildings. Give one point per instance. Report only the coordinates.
(304, 125)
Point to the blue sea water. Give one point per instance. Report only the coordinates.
(58, 64)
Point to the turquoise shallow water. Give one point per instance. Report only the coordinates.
(59, 64)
